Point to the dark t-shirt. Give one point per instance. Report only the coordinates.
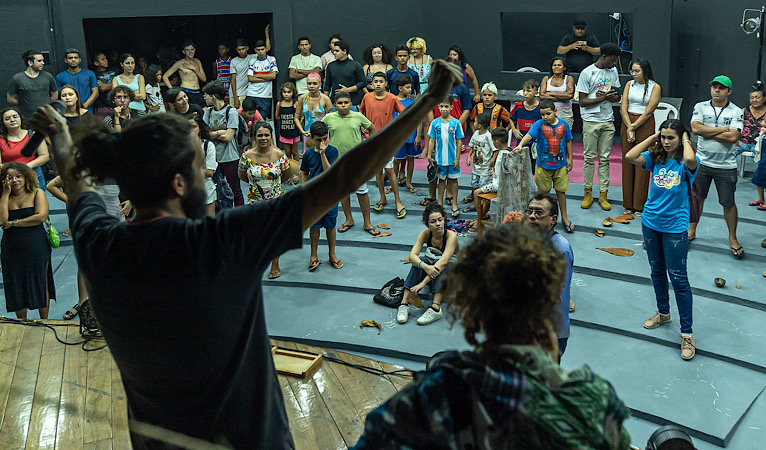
(577, 60)
(348, 73)
(32, 92)
(393, 74)
(194, 109)
(180, 304)
(105, 77)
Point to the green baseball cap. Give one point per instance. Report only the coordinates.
(722, 79)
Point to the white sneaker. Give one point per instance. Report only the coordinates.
(430, 316)
(403, 313)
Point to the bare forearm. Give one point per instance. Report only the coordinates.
(74, 184)
(728, 137)
(91, 99)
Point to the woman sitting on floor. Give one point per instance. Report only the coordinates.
(426, 271)
(509, 392)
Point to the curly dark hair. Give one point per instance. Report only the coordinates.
(506, 285)
(30, 176)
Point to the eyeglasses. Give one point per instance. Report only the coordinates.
(536, 212)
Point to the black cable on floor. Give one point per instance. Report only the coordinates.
(40, 324)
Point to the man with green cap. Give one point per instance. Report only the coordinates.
(718, 125)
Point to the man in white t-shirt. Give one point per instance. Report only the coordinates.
(238, 71)
(303, 64)
(261, 73)
(598, 85)
(718, 125)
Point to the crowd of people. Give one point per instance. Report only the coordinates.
(336, 107)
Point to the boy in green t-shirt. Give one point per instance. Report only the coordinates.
(345, 128)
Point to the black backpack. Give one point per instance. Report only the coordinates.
(391, 293)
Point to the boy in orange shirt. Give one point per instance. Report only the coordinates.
(379, 107)
(498, 115)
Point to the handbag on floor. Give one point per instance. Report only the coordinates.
(391, 293)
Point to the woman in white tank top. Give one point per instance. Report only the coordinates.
(639, 100)
(560, 88)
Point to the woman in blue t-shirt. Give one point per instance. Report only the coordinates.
(670, 158)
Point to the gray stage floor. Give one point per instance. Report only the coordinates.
(717, 395)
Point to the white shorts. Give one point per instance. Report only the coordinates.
(389, 164)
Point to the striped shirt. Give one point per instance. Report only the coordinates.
(223, 73)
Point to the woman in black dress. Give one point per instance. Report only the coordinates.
(24, 250)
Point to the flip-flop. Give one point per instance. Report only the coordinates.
(343, 228)
(448, 200)
(426, 201)
(762, 207)
(455, 213)
(336, 264)
(373, 231)
(379, 206)
(314, 264)
(737, 255)
(402, 181)
(756, 203)
(412, 190)
(401, 213)
(466, 200)
(275, 274)
(569, 228)
(388, 190)
(693, 238)
(469, 209)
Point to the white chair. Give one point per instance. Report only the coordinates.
(664, 112)
(755, 155)
(527, 69)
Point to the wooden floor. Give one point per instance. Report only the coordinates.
(60, 396)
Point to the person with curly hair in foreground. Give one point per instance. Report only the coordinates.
(508, 392)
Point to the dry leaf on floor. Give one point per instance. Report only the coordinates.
(607, 222)
(617, 251)
(627, 217)
(620, 220)
(599, 233)
(371, 323)
(406, 260)
(382, 235)
(416, 301)
(720, 282)
(384, 226)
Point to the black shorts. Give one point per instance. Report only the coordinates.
(725, 183)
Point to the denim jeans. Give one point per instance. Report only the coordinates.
(667, 256)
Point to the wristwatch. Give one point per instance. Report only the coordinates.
(16, 222)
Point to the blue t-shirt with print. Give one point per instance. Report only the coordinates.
(551, 143)
(667, 208)
(445, 136)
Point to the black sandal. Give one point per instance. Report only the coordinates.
(68, 315)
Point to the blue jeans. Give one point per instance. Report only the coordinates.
(667, 255)
(40, 177)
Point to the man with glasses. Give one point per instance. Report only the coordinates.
(579, 47)
(33, 87)
(541, 214)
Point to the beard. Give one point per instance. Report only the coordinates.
(193, 204)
